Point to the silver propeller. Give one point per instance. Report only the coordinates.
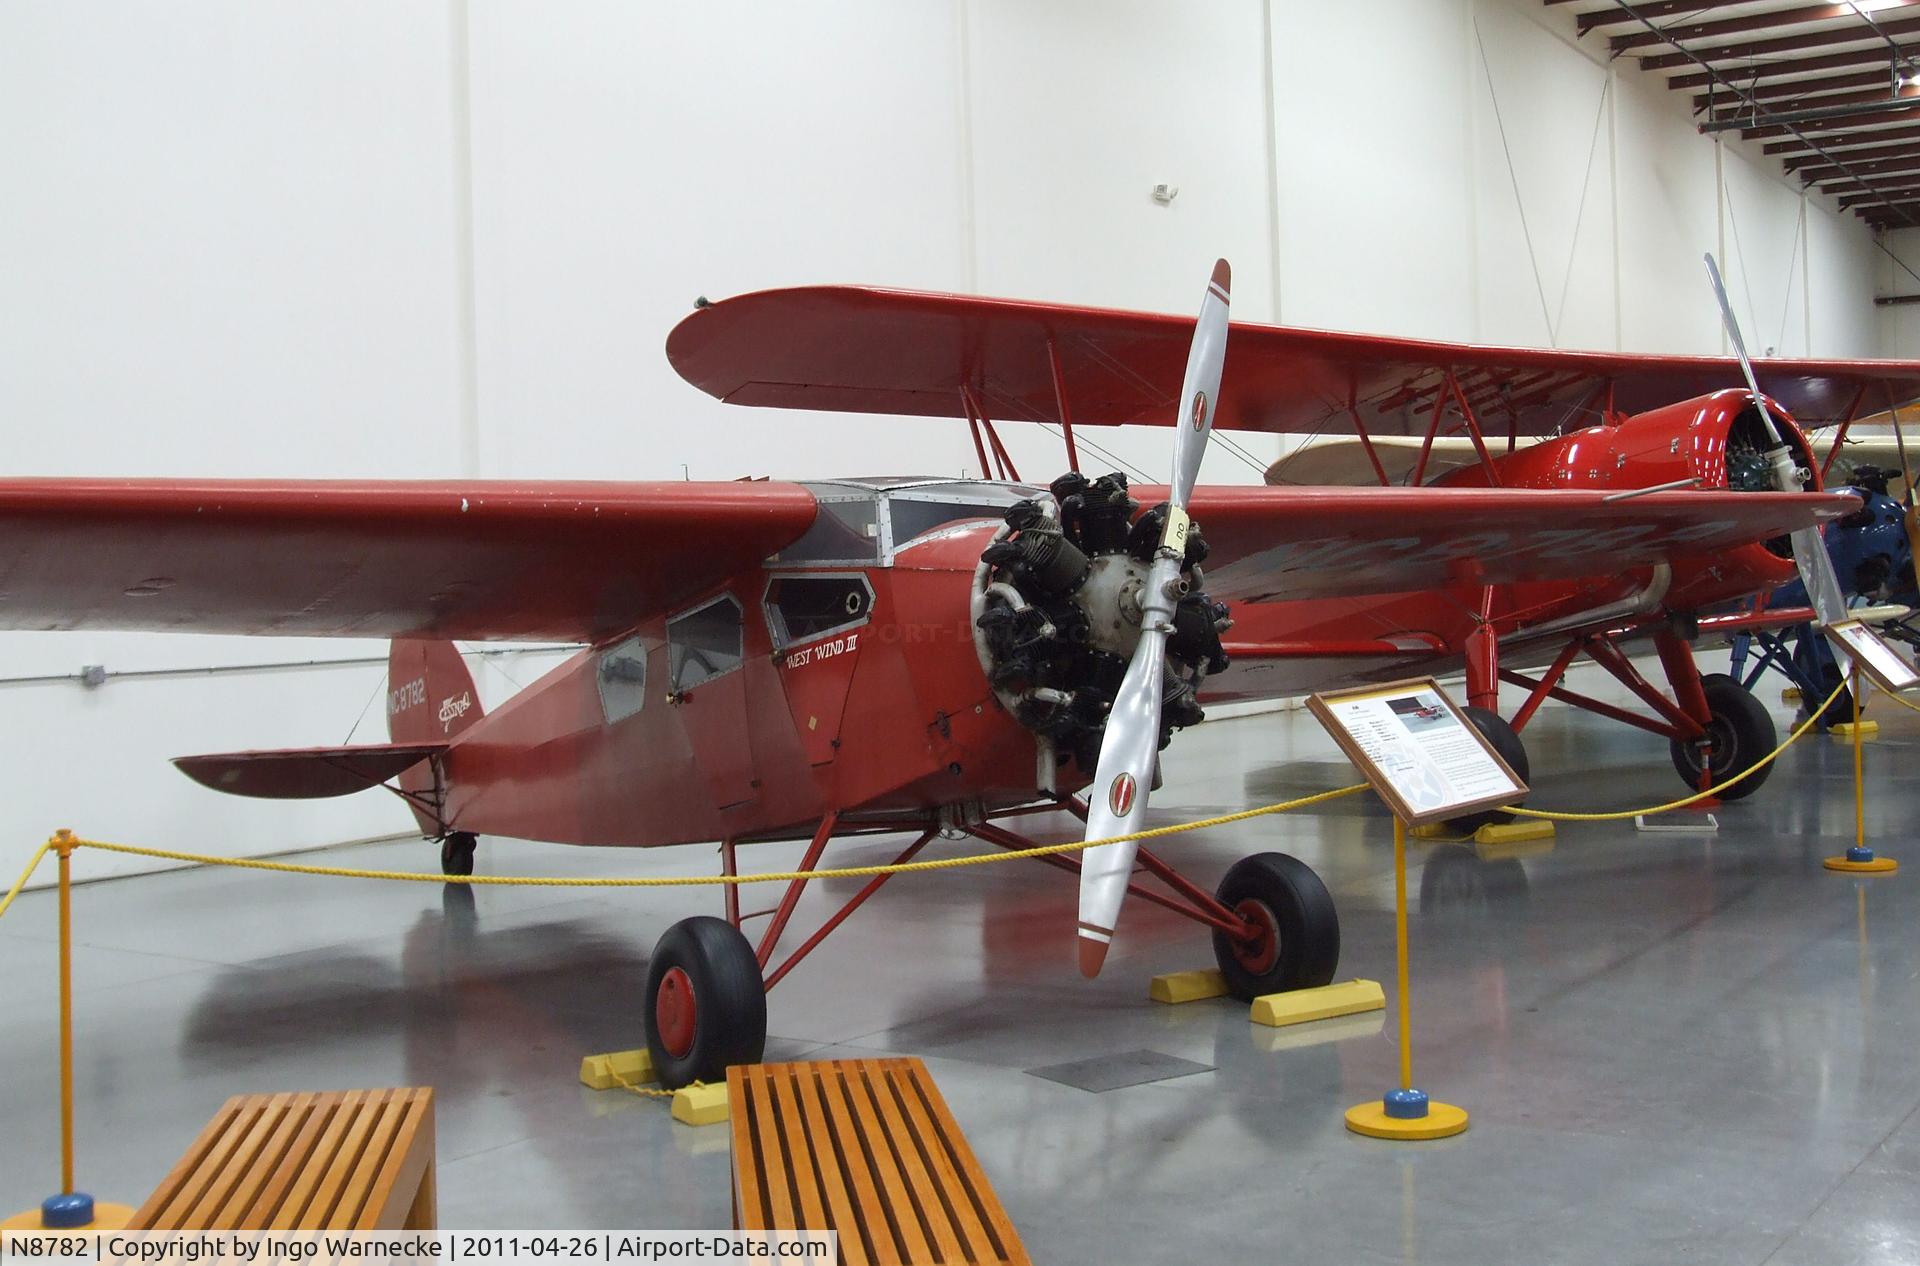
(1118, 797)
(1809, 550)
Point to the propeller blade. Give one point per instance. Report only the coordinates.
(1809, 548)
(1131, 744)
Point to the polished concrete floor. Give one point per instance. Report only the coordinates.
(1674, 1048)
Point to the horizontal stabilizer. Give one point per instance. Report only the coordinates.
(305, 773)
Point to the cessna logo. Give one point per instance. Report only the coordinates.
(452, 709)
(1199, 409)
(409, 695)
(1120, 795)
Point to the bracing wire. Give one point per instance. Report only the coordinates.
(1513, 176)
(1786, 301)
(1746, 277)
(1580, 213)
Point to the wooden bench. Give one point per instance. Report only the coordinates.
(335, 1161)
(867, 1148)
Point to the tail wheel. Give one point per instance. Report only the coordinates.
(1739, 733)
(456, 853)
(706, 1008)
(1295, 940)
(1505, 740)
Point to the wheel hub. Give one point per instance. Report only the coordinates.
(1260, 949)
(675, 1013)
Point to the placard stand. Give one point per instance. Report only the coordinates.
(1428, 762)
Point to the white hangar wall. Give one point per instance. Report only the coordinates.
(368, 239)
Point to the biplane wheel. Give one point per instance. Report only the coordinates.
(1506, 741)
(1297, 940)
(456, 853)
(1739, 734)
(706, 1007)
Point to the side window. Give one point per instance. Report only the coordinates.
(704, 643)
(803, 607)
(622, 675)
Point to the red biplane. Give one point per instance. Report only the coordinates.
(768, 660)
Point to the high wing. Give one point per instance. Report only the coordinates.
(551, 561)
(865, 350)
(1274, 544)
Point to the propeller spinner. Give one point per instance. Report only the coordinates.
(1131, 746)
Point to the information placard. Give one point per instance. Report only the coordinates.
(1867, 648)
(1418, 750)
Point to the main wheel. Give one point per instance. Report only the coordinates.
(1506, 741)
(1296, 940)
(456, 853)
(706, 1007)
(1738, 735)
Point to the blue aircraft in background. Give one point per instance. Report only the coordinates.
(1873, 558)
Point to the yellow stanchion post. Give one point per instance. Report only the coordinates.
(1860, 859)
(1405, 1113)
(70, 1210)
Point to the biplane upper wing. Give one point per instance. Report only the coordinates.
(1269, 544)
(865, 350)
(558, 561)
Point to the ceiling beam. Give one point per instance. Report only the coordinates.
(1790, 44)
(1684, 31)
(1878, 162)
(1876, 55)
(1796, 89)
(1652, 9)
(1818, 126)
(1858, 174)
(1837, 106)
(1795, 152)
(1801, 162)
(1903, 190)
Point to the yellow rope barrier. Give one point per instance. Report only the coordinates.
(1813, 716)
(856, 872)
(693, 881)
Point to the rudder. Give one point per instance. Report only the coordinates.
(430, 693)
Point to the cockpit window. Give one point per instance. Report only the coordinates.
(913, 518)
(846, 530)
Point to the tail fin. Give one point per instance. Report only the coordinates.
(430, 693)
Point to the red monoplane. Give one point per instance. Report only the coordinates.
(767, 660)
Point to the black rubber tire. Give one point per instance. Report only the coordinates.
(1302, 913)
(1506, 741)
(456, 853)
(730, 1003)
(1741, 732)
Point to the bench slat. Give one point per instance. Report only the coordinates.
(986, 1204)
(870, 1149)
(920, 1186)
(949, 1187)
(798, 1146)
(304, 1161)
(838, 1181)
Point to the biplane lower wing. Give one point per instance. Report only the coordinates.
(1274, 544)
(307, 773)
(553, 561)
